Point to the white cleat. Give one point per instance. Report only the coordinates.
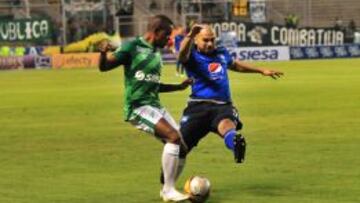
(173, 196)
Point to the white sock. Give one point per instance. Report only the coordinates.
(170, 161)
(180, 168)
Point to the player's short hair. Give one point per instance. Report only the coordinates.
(159, 22)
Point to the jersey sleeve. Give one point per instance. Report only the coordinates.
(123, 53)
(228, 58)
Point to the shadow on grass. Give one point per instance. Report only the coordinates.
(243, 192)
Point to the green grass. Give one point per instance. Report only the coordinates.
(63, 138)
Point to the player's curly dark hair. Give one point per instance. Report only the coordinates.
(159, 22)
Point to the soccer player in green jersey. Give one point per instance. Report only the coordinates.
(142, 67)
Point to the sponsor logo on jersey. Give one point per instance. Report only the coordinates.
(141, 76)
(215, 68)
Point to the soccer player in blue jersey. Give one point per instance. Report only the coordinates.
(210, 106)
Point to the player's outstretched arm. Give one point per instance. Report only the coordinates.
(240, 66)
(176, 87)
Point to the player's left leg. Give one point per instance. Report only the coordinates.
(183, 145)
(226, 123)
(233, 140)
(167, 193)
(181, 166)
(194, 126)
(152, 120)
(169, 160)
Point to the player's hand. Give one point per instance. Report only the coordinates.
(186, 83)
(272, 73)
(105, 46)
(195, 29)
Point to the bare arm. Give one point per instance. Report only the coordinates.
(172, 87)
(187, 43)
(107, 59)
(240, 66)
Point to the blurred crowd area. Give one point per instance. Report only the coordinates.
(74, 20)
(41, 33)
(69, 20)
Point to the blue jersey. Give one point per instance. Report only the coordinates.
(210, 76)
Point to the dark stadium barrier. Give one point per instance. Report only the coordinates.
(325, 52)
(37, 30)
(265, 34)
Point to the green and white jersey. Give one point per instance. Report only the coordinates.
(142, 74)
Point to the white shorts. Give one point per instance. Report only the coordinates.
(146, 117)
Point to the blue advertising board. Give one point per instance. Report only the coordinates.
(325, 52)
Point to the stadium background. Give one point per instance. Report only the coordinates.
(36, 33)
(61, 131)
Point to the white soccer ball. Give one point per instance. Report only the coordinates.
(198, 188)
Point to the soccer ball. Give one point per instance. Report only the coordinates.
(198, 188)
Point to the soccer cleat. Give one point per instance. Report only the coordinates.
(239, 148)
(173, 196)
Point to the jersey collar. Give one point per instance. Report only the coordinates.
(146, 43)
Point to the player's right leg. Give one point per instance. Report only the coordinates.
(170, 160)
(151, 120)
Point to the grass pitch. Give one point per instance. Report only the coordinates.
(63, 138)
